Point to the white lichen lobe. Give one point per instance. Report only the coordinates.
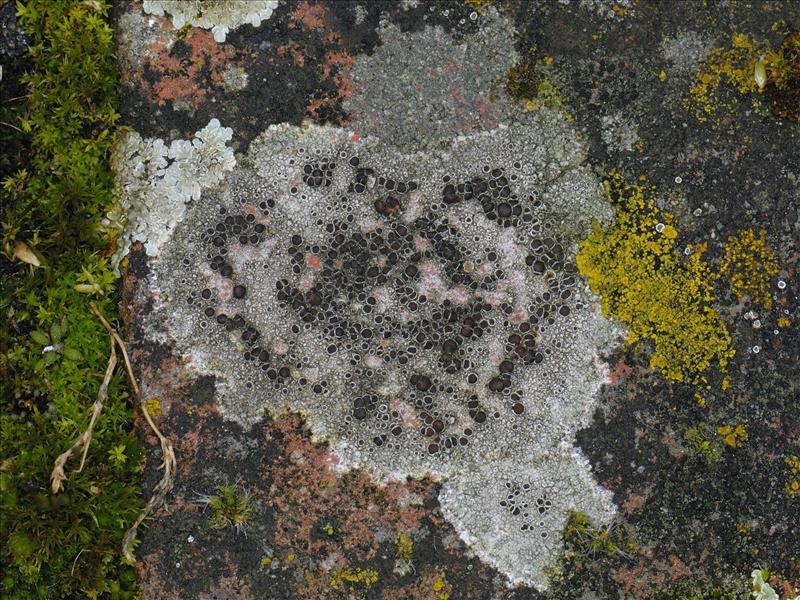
(155, 181)
(220, 16)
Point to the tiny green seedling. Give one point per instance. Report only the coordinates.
(53, 347)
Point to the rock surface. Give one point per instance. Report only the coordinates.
(360, 304)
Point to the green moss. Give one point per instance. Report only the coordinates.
(702, 440)
(532, 84)
(664, 298)
(229, 508)
(53, 351)
(583, 538)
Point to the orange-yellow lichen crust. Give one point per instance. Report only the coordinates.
(750, 264)
(353, 580)
(725, 67)
(664, 298)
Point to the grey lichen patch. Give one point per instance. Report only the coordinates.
(423, 89)
(685, 51)
(234, 78)
(155, 181)
(519, 507)
(423, 312)
(220, 16)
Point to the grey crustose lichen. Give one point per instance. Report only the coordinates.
(422, 310)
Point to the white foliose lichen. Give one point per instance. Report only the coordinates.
(154, 182)
(220, 16)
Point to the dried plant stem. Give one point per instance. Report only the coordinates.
(169, 463)
(57, 477)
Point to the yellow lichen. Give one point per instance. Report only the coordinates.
(620, 10)
(793, 480)
(726, 68)
(664, 299)
(441, 589)
(480, 5)
(353, 580)
(154, 407)
(749, 67)
(735, 437)
(750, 264)
(783, 78)
(405, 546)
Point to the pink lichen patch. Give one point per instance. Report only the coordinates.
(150, 580)
(677, 568)
(185, 71)
(621, 371)
(633, 503)
(336, 67)
(308, 16)
(308, 495)
(650, 573)
(230, 587)
(294, 50)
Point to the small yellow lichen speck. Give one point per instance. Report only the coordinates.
(793, 481)
(441, 589)
(154, 407)
(634, 266)
(350, 579)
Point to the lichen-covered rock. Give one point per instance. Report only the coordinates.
(423, 311)
(421, 89)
